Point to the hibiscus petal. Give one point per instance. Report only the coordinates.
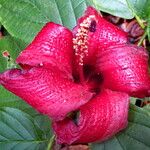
(52, 46)
(125, 68)
(99, 119)
(46, 90)
(92, 33)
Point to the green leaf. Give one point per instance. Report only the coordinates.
(148, 30)
(43, 123)
(7, 99)
(147, 107)
(24, 18)
(18, 131)
(13, 46)
(10, 100)
(136, 136)
(115, 7)
(140, 8)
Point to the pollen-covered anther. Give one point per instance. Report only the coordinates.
(81, 40)
(84, 25)
(74, 40)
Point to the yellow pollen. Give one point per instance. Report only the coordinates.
(81, 40)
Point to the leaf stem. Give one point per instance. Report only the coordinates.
(51, 142)
(140, 22)
(142, 39)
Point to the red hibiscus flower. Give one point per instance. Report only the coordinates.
(82, 81)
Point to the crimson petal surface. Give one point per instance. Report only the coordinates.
(125, 68)
(46, 90)
(99, 119)
(99, 34)
(52, 46)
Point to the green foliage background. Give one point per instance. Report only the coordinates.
(20, 126)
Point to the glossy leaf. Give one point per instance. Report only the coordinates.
(24, 18)
(13, 46)
(44, 124)
(8, 99)
(140, 8)
(18, 131)
(136, 136)
(115, 7)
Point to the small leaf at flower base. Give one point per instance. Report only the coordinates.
(125, 68)
(76, 147)
(99, 119)
(46, 90)
(136, 136)
(18, 131)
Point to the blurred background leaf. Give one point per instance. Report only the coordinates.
(24, 18)
(18, 131)
(141, 10)
(13, 46)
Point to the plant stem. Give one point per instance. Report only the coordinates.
(142, 39)
(51, 142)
(137, 17)
(140, 22)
